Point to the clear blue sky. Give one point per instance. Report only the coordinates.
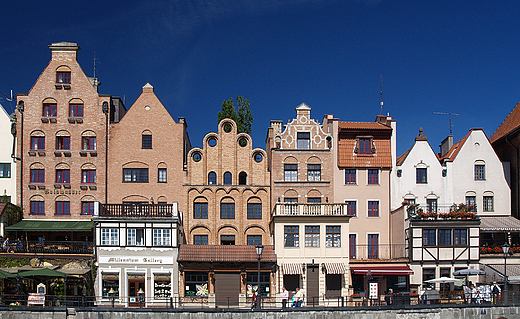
(435, 56)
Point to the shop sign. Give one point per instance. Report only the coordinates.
(135, 260)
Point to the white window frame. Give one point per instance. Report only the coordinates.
(162, 237)
(110, 236)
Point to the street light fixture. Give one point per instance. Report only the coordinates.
(505, 248)
(259, 249)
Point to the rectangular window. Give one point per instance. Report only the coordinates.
(352, 246)
(62, 208)
(431, 205)
(87, 208)
(200, 210)
(254, 211)
(351, 208)
(227, 210)
(365, 146)
(373, 208)
(421, 176)
(488, 204)
(429, 237)
(135, 175)
(50, 110)
(291, 236)
(480, 172)
(428, 274)
(373, 246)
(161, 237)
(444, 237)
(314, 172)
(193, 280)
(312, 236)
(110, 281)
(162, 286)
(62, 77)
(460, 237)
(291, 172)
(63, 143)
(63, 176)
(304, 140)
(88, 143)
(373, 176)
(200, 239)
(88, 176)
(37, 176)
(162, 175)
(333, 236)
(227, 239)
(350, 176)
(76, 110)
(146, 141)
(254, 240)
(135, 237)
(109, 236)
(37, 143)
(5, 170)
(37, 208)
(471, 203)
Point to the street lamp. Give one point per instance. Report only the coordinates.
(259, 249)
(505, 248)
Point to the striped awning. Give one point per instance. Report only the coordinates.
(292, 269)
(335, 268)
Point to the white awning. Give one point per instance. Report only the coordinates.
(292, 269)
(335, 268)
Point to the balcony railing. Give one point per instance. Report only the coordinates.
(310, 209)
(138, 210)
(373, 252)
(51, 247)
(442, 212)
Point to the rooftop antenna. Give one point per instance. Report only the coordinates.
(381, 86)
(450, 114)
(96, 61)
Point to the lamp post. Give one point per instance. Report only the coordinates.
(505, 248)
(259, 249)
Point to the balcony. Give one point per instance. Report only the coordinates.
(377, 252)
(310, 209)
(441, 212)
(51, 247)
(131, 210)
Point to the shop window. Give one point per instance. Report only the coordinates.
(109, 237)
(162, 286)
(291, 282)
(291, 236)
(333, 236)
(312, 236)
(161, 237)
(110, 281)
(252, 284)
(196, 283)
(333, 284)
(427, 274)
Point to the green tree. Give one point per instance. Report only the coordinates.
(244, 117)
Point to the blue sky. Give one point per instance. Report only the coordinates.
(434, 56)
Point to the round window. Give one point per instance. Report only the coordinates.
(197, 157)
(227, 127)
(242, 141)
(258, 157)
(212, 142)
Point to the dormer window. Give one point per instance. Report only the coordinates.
(63, 77)
(365, 145)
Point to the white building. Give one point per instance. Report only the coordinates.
(7, 163)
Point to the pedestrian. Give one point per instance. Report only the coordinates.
(285, 297)
(5, 245)
(495, 291)
(254, 299)
(389, 298)
(474, 294)
(298, 298)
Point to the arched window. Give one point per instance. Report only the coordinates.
(227, 178)
(242, 178)
(147, 140)
(88, 141)
(37, 141)
(63, 75)
(50, 108)
(37, 205)
(76, 108)
(212, 178)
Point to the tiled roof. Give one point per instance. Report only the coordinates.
(224, 253)
(401, 158)
(455, 149)
(511, 122)
(363, 126)
(499, 223)
(347, 157)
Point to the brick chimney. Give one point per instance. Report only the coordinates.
(64, 51)
(446, 145)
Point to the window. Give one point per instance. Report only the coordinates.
(254, 240)
(290, 206)
(193, 280)
(87, 208)
(242, 178)
(146, 141)
(488, 204)
(75, 110)
(304, 140)
(480, 172)
(161, 237)
(37, 176)
(333, 236)
(373, 208)
(312, 236)
(212, 178)
(227, 239)
(350, 176)
(314, 172)
(291, 236)
(429, 237)
(373, 246)
(365, 146)
(5, 170)
(62, 77)
(351, 208)
(200, 210)
(373, 176)
(88, 143)
(444, 237)
(291, 172)
(109, 236)
(88, 176)
(63, 142)
(227, 178)
(50, 110)
(62, 208)
(135, 237)
(265, 283)
(37, 208)
(352, 246)
(314, 200)
(63, 176)
(428, 274)
(431, 205)
(200, 239)
(37, 143)
(471, 203)
(109, 281)
(227, 210)
(254, 211)
(162, 175)
(460, 237)
(421, 176)
(135, 175)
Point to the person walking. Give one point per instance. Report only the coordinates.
(495, 291)
(254, 300)
(285, 297)
(298, 298)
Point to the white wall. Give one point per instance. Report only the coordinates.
(7, 185)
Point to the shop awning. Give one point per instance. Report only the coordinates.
(499, 223)
(382, 270)
(335, 268)
(292, 269)
(51, 225)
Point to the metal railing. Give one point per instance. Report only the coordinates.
(362, 252)
(52, 247)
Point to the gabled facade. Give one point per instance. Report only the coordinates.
(7, 161)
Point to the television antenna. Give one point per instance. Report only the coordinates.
(96, 61)
(381, 86)
(449, 114)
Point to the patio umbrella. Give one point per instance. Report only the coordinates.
(5, 274)
(442, 280)
(44, 272)
(469, 271)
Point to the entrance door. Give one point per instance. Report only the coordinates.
(313, 287)
(136, 284)
(227, 288)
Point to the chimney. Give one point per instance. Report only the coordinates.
(147, 88)
(446, 145)
(64, 51)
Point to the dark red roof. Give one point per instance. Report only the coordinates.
(511, 122)
(224, 253)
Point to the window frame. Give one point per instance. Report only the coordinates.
(198, 212)
(38, 206)
(63, 143)
(421, 175)
(131, 239)
(227, 210)
(37, 175)
(350, 176)
(146, 142)
(303, 140)
(162, 175)
(5, 170)
(200, 240)
(332, 236)
(50, 110)
(351, 208)
(373, 246)
(291, 236)
(460, 237)
(76, 110)
(37, 143)
(135, 175)
(429, 237)
(445, 237)
(488, 203)
(62, 176)
(162, 237)
(227, 178)
(480, 172)
(109, 236)
(212, 178)
(62, 208)
(87, 206)
(290, 172)
(373, 176)
(63, 77)
(352, 240)
(314, 172)
(254, 210)
(312, 236)
(88, 143)
(252, 240)
(88, 176)
(373, 208)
